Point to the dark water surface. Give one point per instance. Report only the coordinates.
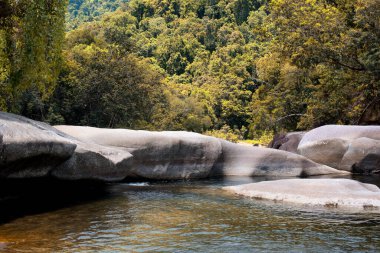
(194, 216)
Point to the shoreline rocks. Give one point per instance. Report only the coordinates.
(34, 149)
(30, 148)
(241, 160)
(287, 142)
(337, 193)
(349, 148)
(177, 155)
(157, 155)
(354, 149)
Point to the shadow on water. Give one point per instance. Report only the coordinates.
(170, 216)
(19, 198)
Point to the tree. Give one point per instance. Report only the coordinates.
(320, 69)
(31, 38)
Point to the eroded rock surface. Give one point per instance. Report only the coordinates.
(157, 155)
(323, 192)
(34, 149)
(241, 160)
(30, 148)
(92, 161)
(350, 148)
(287, 142)
(173, 155)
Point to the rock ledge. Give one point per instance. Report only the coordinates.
(339, 193)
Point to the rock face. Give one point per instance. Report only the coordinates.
(287, 142)
(362, 156)
(157, 155)
(92, 161)
(34, 149)
(173, 155)
(30, 148)
(350, 148)
(241, 160)
(323, 192)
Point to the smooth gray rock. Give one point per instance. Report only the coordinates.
(157, 155)
(242, 160)
(339, 193)
(362, 156)
(329, 152)
(96, 162)
(350, 148)
(30, 148)
(287, 142)
(34, 149)
(174, 155)
(340, 132)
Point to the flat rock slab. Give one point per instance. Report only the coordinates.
(339, 193)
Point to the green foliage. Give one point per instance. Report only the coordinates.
(81, 11)
(235, 69)
(319, 68)
(104, 86)
(262, 140)
(31, 37)
(259, 65)
(226, 133)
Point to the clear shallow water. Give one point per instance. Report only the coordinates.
(188, 217)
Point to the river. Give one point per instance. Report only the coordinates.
(184, 216)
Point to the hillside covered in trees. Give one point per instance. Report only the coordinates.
(232, 66)
(80, 11)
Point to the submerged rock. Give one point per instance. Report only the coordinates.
(350, 148)
(177, 155)
(322, 192)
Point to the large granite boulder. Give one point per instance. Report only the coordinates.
(287, 142)
(157, 155)
(362, 156)
(242, 160)
(34, 149)
(322, 192)
(30, 148)
(174, 155)
(95, 162)
(350, 148)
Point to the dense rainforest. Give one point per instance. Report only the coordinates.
(235, 68)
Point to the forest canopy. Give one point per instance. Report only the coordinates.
(236, 66)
